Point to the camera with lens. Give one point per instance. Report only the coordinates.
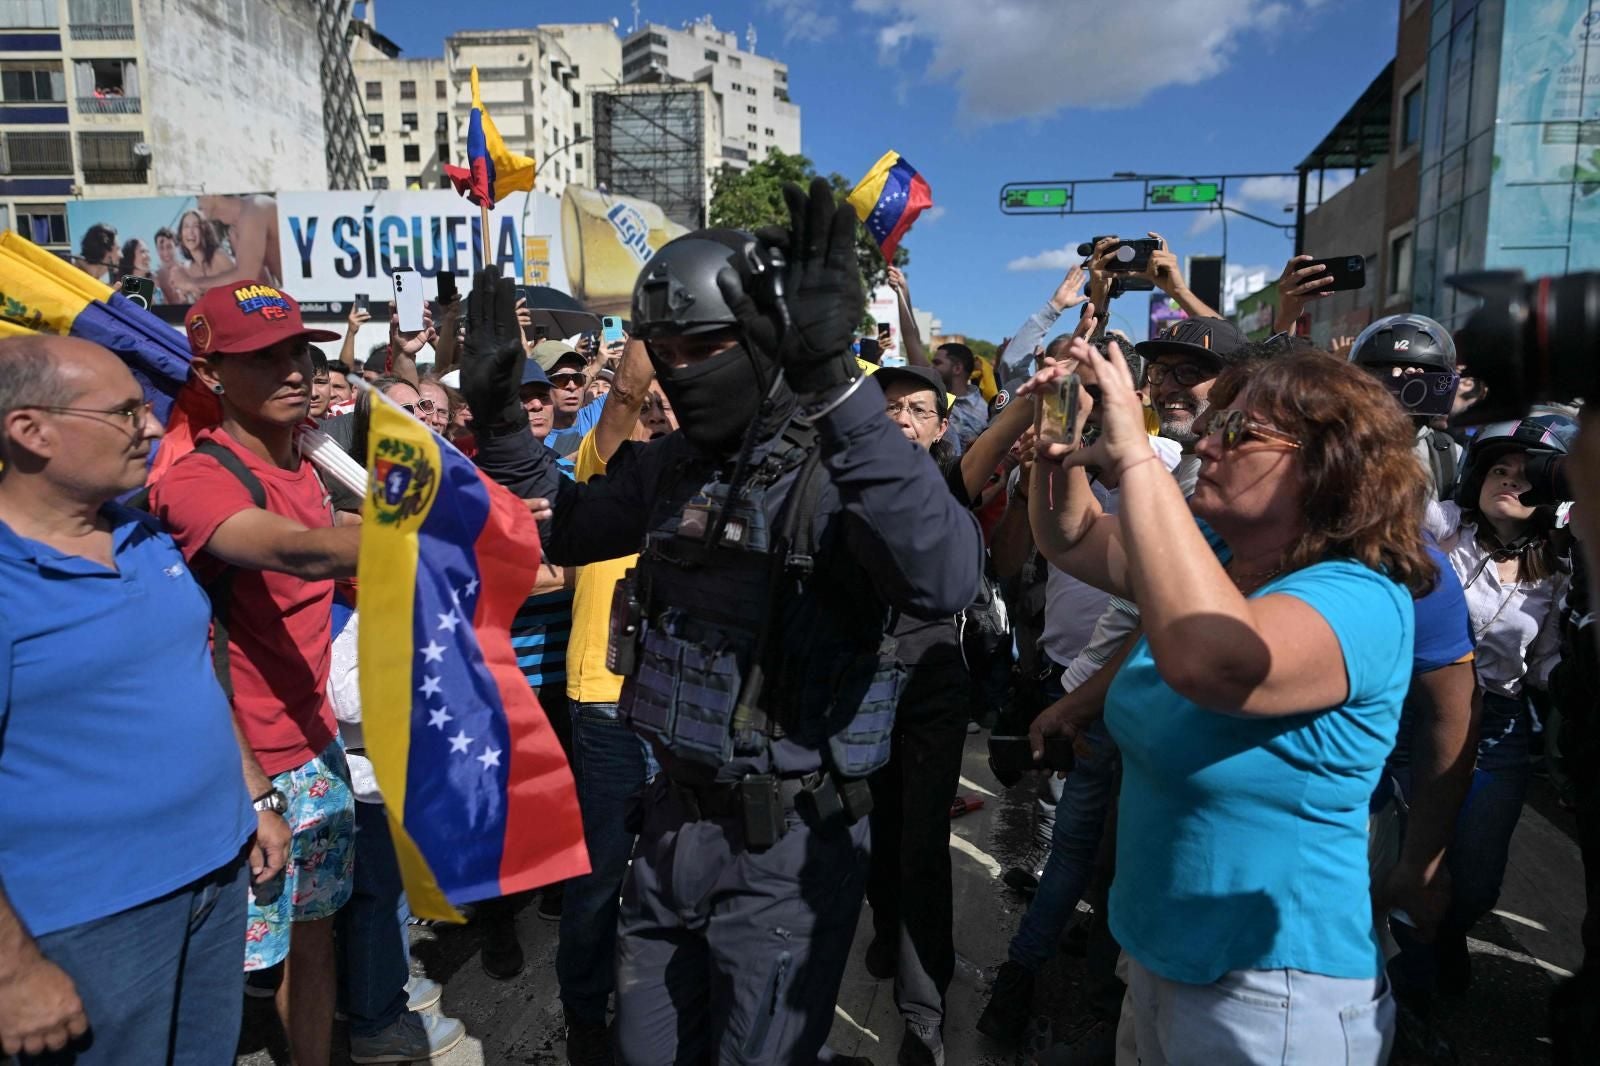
(1531, 341)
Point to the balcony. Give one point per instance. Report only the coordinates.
(101, 31)
(36, 154)
(109, 105)
(116, 176)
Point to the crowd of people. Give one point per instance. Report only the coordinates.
(1307, 643)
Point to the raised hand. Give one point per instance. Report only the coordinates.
(1302, 278)
(493, 357)
(1070, 292)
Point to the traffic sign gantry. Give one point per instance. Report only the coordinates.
(1036, 198)
(1198, 192)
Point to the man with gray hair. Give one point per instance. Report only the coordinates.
(125, 828)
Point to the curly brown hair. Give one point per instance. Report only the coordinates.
(1365, 491)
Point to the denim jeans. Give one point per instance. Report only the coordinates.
(160, 982)
(1080, 821)
(1247, 1017)
(374, 947)
(610, 763)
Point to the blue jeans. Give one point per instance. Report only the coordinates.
(160, 982)
(374, 948)
(610, 763)
(1080, 818)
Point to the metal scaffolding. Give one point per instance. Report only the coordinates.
(343, 125)
(650, 142)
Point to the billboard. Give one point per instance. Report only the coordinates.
(327, 248)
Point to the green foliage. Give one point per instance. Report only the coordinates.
(983, 349)
(753, 198)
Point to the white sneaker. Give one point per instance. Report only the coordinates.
(410, 1038)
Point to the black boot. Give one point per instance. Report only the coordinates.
(497, 933)
(588, 1043)
(1010, 1004)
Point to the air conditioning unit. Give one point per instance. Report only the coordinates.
(373, 164)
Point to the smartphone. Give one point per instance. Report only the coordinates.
(141, 291)
(1014, 755)
(610, 331)
(1060, 412)
(1349, 272)
(361, 302)
(1132, 257)
(448, 293)
(408, 299)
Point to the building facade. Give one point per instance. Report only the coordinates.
(752, 91)
(407, 104)
(97, 101)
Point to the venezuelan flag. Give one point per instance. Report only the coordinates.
(889, 199)
(479, 796)
(41, 293)
(492, 169)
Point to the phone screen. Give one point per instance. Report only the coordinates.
(1060, 412)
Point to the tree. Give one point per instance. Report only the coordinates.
(753, 198)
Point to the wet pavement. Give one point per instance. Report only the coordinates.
(1518, 953)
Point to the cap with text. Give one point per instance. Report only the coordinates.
(246, 318)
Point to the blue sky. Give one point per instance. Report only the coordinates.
(976, 94)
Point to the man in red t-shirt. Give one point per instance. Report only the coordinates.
(252, 349)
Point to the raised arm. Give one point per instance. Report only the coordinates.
(1163, 271)
(358, 317)
(910, 337)
(629, 391)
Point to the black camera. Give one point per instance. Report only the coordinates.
(1530, 341)
(1086, 249)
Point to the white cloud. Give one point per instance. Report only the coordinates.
(1013, 59)
(1052, 259)
(932, 214)
(802, 20)
(1267, 197)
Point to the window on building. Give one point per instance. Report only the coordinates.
(780, 94)
(781, 76)
(1411, 117)
(749, 109)
(113, 158)
(443, 125)
(577, 131)
(377, 153)
(768, 132)
(413, 153)
(413, 181)
(28, 14)
(735, 62)
(656, 38)
(28, 82)
(751, 90)
(408, 90)
(43, 223)
(1401, 256)
(374, 90)
(752, 146)
(441, 90)
(375, 122)
(711, 55)
(28, 154)
(100, 20)
(751, 128)
(106, 85)
(577, 160)
(408, 121)
(380, 183)
(736, 87)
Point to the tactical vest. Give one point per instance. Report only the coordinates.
(740, 636)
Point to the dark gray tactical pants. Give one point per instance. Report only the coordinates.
(731, 956)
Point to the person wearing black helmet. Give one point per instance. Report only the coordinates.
(779, 529)
(1415, 358)
(1514, 580)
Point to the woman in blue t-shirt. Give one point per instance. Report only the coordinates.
(1255, 712)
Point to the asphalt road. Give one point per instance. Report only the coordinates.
(1518, 954)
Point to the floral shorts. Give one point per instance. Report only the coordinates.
(320, 873)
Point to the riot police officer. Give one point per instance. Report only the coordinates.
(779, 530)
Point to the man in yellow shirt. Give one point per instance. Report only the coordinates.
(609, 762)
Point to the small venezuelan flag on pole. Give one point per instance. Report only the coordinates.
(889, 199)
(492, 169)
(479, 797)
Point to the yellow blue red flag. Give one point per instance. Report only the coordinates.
(889, 199)
(479, 796)
(492, 169)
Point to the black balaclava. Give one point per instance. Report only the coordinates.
(715, 401)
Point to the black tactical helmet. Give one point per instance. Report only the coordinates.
(1405, 340)
(676, 294)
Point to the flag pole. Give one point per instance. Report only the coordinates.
(488, 258)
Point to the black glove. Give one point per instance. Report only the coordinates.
(492, 357)
(807, 321)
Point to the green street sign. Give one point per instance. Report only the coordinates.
(1038, 198)
(1200, 192)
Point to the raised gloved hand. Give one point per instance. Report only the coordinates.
(492, 357)
(808, 320)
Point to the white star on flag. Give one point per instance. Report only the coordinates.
(490, 758)
(449, 621)
(438, 716)
(472, 587)
(460, 742)
(430, 686)
(433, 653)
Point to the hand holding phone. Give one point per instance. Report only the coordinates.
(448, 293)
(408, 300)
(1059, 415)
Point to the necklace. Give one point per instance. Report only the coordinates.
(1254, 579)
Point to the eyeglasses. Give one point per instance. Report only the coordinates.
(134, 415)
(917, 411)
(1236, 426)
(1185, 374)
(566, 381)
(427, 407)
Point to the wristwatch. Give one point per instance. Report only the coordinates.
(273, 801)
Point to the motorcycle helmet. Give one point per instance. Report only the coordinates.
(1391, 344)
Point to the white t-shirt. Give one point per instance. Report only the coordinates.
(344, 692)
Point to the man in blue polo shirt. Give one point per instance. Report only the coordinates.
(124, 819)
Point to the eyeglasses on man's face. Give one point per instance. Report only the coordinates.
(129, 416)
(1186, 374)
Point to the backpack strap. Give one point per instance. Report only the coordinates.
(220, 588)
(1443, 457)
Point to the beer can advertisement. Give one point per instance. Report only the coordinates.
(326, 247)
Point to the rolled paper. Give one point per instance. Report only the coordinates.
(333, 461)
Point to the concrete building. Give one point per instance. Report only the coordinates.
(100, 98)
(751, 90)
(407, 106)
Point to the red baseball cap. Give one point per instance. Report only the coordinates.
(246, 317)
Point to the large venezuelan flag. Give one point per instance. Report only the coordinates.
(479, 796)
(889, 199)
(492, 169)
(41, 293)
